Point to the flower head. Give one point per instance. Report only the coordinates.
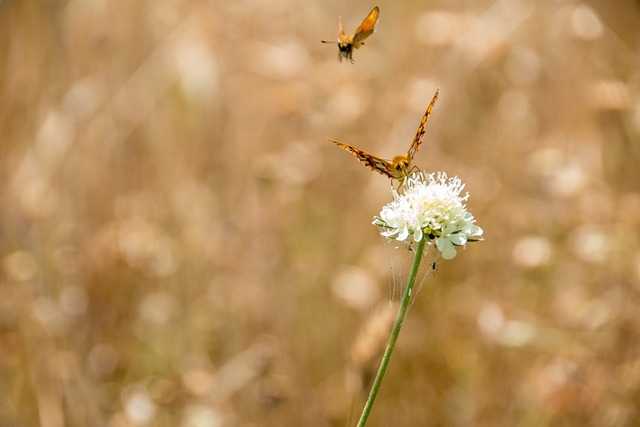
(430, 207)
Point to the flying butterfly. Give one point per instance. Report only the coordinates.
(346, 43)
(399, 167)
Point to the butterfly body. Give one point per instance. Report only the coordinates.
(347, 43)
(399, 167)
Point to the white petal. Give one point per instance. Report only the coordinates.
(417, 234)
(449, 252)
(458, 239)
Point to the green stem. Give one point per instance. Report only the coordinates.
(402, 312)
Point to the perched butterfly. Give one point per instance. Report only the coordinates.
(346, 43)
(400, 166)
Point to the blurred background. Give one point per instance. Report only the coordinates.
(182, 246)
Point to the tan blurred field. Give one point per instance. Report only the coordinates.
(181, 245)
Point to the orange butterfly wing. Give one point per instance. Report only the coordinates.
(341, 35)
(367, 27)
(417, 140)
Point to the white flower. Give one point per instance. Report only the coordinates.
(430, 207)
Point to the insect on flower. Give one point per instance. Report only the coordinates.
(399, 167)
(346, 43)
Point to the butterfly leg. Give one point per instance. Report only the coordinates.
(413, 169)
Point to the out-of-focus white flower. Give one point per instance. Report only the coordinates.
(430, 207)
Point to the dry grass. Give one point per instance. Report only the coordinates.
(176, 229)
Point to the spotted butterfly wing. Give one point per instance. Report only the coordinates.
(385, 167)
(417, 140)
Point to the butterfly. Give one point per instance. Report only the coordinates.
(346, 43)
(399, 167)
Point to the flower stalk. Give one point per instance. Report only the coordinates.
(395, 332)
